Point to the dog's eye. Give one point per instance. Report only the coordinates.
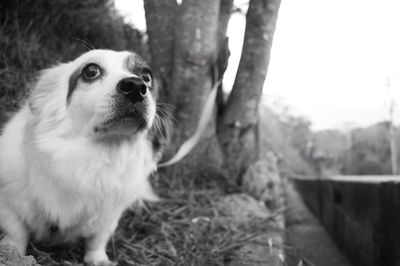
(91, 72)
(146, 76)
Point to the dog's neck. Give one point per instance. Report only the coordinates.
(118, 140)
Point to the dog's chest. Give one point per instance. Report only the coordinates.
(84, 186)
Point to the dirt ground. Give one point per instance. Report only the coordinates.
(307, 243)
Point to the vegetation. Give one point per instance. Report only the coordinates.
(38, 34)
(360, 151)
(185, 228)
(287, 136)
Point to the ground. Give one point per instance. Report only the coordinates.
(306, 240)
(189, 226)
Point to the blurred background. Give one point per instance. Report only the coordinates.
(332, 91)
(333, 73)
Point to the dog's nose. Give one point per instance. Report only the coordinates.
(133, 88)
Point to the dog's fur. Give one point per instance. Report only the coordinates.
(77, 154)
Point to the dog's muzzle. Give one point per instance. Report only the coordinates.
(133, 88)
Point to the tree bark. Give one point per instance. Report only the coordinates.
(195, 52)
(225, 12)
(196, 41)
(160, 21)
(238, 125)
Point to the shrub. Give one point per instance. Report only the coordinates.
(38, 34)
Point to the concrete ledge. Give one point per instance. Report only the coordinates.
(362, 214)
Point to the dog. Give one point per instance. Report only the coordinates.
(80, 151)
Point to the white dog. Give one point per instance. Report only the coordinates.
(79, 152)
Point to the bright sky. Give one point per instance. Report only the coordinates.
(330, 59)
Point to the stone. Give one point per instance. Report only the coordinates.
(242, 208)
(262, 180)
(10, 257)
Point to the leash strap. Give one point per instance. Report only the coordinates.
(190, 143)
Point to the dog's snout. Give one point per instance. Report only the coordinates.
(133, 88)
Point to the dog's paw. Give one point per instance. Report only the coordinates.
(102, 263)
(97, 258)
(15, 246)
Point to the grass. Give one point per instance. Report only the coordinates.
(185, 228)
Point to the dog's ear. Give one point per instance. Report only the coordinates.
(49, 82)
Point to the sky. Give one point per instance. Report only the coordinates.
(330, 61)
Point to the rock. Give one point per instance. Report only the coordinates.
(262, 180)
(242, 208)
(10, 257)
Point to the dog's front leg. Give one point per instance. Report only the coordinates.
(95, 247)
(16, 233)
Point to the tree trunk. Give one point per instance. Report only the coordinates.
(223, 49)
(160, 20)
(197, 56)
(195, 52)
(238, 126)
(196, 41)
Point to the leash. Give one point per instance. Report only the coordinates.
(190, 143)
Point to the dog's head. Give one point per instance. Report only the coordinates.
(103, 93)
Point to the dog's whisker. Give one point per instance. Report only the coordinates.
(165, 104)
(88, 45)
(166, 107)
(158, 127)
(165, 112)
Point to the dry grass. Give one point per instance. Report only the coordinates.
(184, 229)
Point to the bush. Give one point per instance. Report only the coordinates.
(37, 34)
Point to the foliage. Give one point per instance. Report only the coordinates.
(38, 34)
(287, 136)
(370, 150)
(361, 151)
